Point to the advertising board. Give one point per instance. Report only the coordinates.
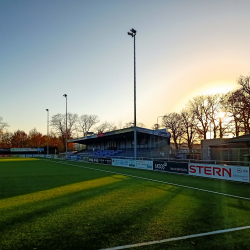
(168, 166)
(131, 163)
(74, 157)
(100, 160)
(33, 155)
(121, 162)
(5, 149)
(105, 161)
(86, 158)
(92, 159)
(26, 149)
(233, 173)
(144, 164)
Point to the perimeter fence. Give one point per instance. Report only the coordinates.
(217, 156)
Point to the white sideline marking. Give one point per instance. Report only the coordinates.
(177, 238)
(165, 182)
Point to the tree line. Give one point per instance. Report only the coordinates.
(221, 115)
(77, 126)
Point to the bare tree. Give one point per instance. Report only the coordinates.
(229, 104)
(172, 122)
(86, 122)
(131, 124)
(243, 108)
(3, 124)
(243, 100)
(214, 103)
(140, 124)
(5, 139)
(58, 123)
(189, 124)
(105, 127)
(243, 81)
(71, 122)
(201, 109)
(156, 126)
(120, 124)
(128, 125)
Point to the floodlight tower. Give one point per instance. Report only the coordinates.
(66, 127)
(47, 131)
(133, 33)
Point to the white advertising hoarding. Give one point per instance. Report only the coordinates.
(233, 173)
(131, 163)
(121, 162)
(144, 164)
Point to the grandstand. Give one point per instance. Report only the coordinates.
(120, 143)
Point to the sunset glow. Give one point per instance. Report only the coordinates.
(222, 114)
(49, 51)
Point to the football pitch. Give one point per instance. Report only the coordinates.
(58, 204)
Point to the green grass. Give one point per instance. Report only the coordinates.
(50, 205)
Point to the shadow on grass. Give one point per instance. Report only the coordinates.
(213, 213)
(210, 213)
(112, 215)
(29, 207)
(38, 176)
(126, 228)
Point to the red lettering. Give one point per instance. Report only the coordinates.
(200, 167)
(217, 172)
(228, 171)
(207, 170)
(192, 167)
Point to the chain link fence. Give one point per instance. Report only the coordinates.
(224, 156)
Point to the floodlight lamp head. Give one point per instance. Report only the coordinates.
(131, 34)
(47, 110)
(65, 95)
(133, 30)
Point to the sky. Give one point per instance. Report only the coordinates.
(81, 48)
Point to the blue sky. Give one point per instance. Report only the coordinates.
(81, 48)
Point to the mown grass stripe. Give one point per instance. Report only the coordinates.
(177, 238)
(57, 192)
